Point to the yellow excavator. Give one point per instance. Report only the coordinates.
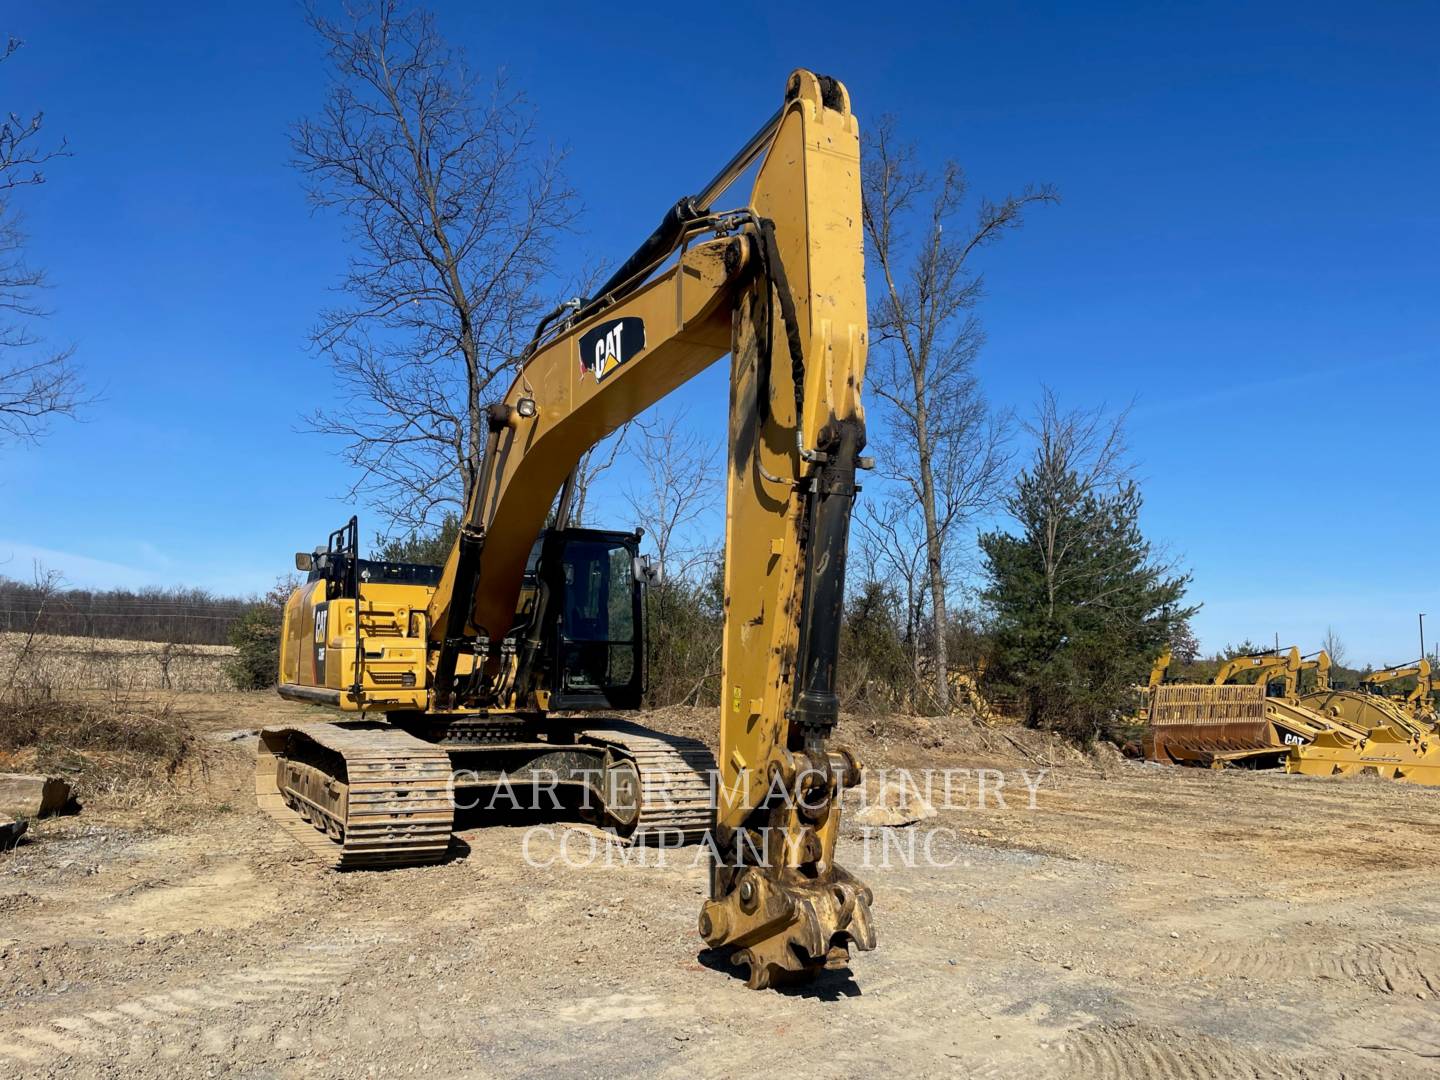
(1276, 666)
(1420, 700)
(1146, 693)
(510, 660)
(1368, 708)
(965, 686)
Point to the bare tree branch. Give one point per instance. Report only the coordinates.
(947, 450)
(37, 383)
(594, 464)
(453, 212)
(1335, 647)
(677, 488)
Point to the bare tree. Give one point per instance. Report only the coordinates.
(945, 447)
(891, 542)
(453, 211)
(677, 488)
(1080, 459)
(37, 382)
(47, 585)
(1334, 646)
(593, 464)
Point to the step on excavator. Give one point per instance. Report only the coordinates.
(511, 659)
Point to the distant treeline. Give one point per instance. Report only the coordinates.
(174, 613)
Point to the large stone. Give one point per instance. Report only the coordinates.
(895, 804)
(23, 795)
(10, 833)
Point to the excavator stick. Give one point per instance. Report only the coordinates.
(797, 429)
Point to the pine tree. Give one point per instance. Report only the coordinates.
(1081, 603)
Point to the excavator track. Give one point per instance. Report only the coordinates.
(357, 796)
(676, 782)
(371, 795)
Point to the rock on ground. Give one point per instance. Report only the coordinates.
(24, 795)
(896, 803)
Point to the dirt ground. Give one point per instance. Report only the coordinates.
(1137, 921)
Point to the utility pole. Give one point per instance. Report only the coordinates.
(1422, 635)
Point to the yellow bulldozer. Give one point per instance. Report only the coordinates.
(1234, 720)
(511, 660)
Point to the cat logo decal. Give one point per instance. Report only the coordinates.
(609, 345)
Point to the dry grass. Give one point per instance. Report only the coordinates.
(119, 752)
(50, 662)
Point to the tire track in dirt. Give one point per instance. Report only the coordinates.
(1381, 966)
(1408, 1045)
(1134, 1052)
(168, 1015)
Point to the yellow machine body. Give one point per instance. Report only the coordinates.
(1396, 745)
(1420, 698)
(467, 660)
(323, 651)
(1230, 722)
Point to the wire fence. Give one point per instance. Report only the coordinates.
(45, 662)
(175, 616)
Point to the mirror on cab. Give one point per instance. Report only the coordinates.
(304, 561)
(645, 571)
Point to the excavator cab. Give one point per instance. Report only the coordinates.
(586, 586)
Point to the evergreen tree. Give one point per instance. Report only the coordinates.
(1081, 604)
(430, 546)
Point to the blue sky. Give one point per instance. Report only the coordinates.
(1247, 247)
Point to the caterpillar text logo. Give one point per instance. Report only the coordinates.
(609, 345)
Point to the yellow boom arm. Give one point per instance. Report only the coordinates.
(779, 285)
(1276, 665)
(1266, 666)
(1419, 697)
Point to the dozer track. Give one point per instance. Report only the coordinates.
(357, 796)
(676, 782)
